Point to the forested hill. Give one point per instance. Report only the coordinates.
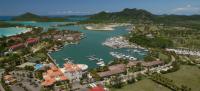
(127, 15)
(33, 17)
(140, 15)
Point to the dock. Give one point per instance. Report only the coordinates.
(53, 60)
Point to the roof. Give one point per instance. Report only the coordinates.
(114, 69)
(7, 77)
(133, 63)
(17, 46)
(48, 81)
(15, 38)
(32, 40)
(52, 75)
(97, 88)
(71, 67)
(153, 63)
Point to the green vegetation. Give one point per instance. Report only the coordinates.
(32, 17)
(143, 85)
(156, 42)
(168, 83)
(187, 75)
(127, 15)
(143, 16)
(5, 24)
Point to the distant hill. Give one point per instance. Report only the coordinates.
(127, 15)
(33, 17)
(140, 15)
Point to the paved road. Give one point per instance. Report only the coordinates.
(1, 88)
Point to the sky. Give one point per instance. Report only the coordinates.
(86, 7)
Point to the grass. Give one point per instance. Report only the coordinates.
(187, 75)
(143, 85)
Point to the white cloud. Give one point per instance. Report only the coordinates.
(188, 9)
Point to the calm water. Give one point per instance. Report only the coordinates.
(91, 45)
(11, 31)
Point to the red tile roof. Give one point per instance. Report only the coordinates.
(32, 40)
(20, 45)
(97, 88)
(52, 75)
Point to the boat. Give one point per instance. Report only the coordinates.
(132, 58)
(92, 59)
(66, 59)
(83, 66)
(101, 63)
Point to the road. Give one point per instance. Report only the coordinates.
(1, 88)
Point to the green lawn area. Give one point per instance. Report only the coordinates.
(143, 85)
(187, 75)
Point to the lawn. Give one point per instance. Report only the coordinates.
(143, 85)
(187, 75)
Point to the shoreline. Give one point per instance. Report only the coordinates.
(103, 27)
(24, 30)
(99, 29)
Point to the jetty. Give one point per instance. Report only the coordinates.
(123, 56)
(53, 60)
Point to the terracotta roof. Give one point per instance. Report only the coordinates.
(7, 77)
(48, 81)
(133, 63)
(63, 78)
(52, 75)
(71, 67)
(114, 69)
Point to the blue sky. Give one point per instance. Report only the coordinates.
(84, 7)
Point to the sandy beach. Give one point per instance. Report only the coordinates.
(101, 27)
(104, 27)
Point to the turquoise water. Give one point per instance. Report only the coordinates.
(91, 45)
(11, 31)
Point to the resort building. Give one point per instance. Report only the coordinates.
(69, 72)
(120, 68)
(52, 76)
(9, 79)
(73, 71)
(16, 47)
(113, 70)
(31, 41)
(133, 63)
(146, 64)
(153, 64)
